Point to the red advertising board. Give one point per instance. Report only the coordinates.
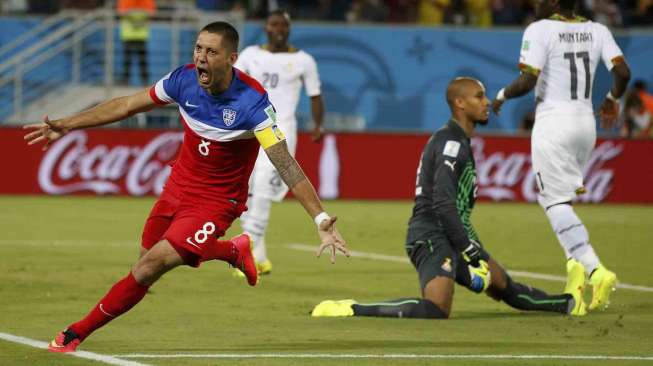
(345, 165)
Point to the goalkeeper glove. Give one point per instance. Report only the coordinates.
(480, 277)
(473, 253)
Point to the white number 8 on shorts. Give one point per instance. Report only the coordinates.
(203, 234)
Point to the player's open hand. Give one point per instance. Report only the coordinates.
(496, 106)
(331, 239)
(46, 131)
(608, 113)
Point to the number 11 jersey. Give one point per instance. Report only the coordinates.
(565, 53)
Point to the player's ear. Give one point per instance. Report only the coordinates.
(459, 102)
(233, 57)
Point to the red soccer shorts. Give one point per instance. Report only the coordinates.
(187, 225)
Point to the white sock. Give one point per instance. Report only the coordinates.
(573, 236)
(255, 222)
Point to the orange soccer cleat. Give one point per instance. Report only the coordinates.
(65, 341)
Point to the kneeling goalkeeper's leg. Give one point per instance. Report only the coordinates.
(524, 297)
(401, 308)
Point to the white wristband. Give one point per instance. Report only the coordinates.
(321, 217)
(611, 97)
(501, 97)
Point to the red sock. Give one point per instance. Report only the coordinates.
(223, 250)
(123, 296)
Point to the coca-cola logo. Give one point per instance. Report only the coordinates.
(502, 175)
(70, 165)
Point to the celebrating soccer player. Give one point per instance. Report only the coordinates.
(441, 242)
(226, 116)
(281, 69)
(559, 55)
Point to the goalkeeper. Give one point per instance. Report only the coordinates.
(441, 241)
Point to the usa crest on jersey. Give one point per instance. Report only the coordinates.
(228, 116)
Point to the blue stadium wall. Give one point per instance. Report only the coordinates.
(393, 78)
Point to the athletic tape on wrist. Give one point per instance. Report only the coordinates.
(321, 217)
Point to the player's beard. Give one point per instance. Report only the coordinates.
(481, 122)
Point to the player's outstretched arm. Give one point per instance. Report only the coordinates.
(104, 113)
(609, 110)
(523, 84)
(291, 173)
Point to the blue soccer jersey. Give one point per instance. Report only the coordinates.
(222, 133)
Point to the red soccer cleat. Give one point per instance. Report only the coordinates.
(245, 260)
(65, 341)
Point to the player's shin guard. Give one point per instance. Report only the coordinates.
(572, 235)
(525, 297)
(401, 308)
(121, 297)
(255, 222)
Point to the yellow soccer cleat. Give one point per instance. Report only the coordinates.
(603, 282)
(236, 273)
(334, 308)
(575, 286)
(264, 267)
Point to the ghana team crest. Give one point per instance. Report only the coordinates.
(228, 116)
(446, 265)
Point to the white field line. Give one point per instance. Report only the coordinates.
(385, 356)
(394, 258)
(66, 242)
(111, 360)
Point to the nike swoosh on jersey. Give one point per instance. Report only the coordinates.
(191, 105)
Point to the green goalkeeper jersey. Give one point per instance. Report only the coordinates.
(445, 192)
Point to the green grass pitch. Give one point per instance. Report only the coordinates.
(59, 255)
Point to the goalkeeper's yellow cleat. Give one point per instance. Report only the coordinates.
(575, 286)
(603, 282)
(334, 308)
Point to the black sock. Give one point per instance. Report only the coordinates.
(525, 297)
(401, 308)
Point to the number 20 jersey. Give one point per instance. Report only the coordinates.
(282, 75)
(566, 54)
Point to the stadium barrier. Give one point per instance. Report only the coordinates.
(344, 165)
(381, 77)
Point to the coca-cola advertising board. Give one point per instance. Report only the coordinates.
(343, 165)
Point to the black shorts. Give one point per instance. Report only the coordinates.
(434, 256)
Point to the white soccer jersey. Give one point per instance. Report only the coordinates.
(566, 53)
(282, 74)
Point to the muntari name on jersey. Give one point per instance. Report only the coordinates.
(228, 116)
(575, 37)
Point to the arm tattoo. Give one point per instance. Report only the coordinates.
(289, 171)
(521, 85)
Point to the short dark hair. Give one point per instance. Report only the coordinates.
(568, 4)
(639, 84)
(282, 13)
(227, 31)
